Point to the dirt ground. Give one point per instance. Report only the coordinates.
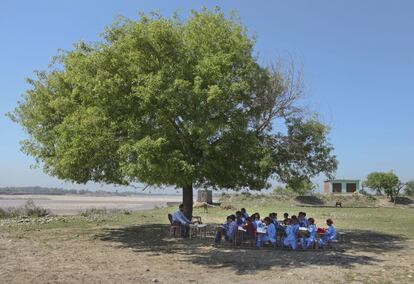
(145, 254)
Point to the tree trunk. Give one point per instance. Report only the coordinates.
(397, 192)
(188, 201)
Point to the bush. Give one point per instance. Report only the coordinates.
(279, 190)
(29, 209)
(103, 211)
(3, 213)
(285, 191)
(94, 211)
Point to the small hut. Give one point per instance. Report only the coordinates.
(205, 195)
(341, 186)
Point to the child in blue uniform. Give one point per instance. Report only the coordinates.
(302, 219)
(307, 242)
(291, 240)
(256, 221)
(330, 234)
(270, 235)
(228, 229)
(244, 213)
(273, 218)
(240, 220)
(286, 219)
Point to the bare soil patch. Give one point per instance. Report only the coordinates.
(73, 204)
(144, 254)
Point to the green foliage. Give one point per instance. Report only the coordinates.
(409, 188)
(304, 152)
(294, 187)
(300, 186)
(279, 190)
(383, 183)
(166, 102)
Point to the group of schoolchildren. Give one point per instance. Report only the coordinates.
(287, 233)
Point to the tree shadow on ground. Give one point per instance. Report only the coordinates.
(403, 200)
(309, 200)
(354, 248)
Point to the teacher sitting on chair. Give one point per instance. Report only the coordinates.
(179, 218)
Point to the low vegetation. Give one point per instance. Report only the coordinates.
(29, 209)
(376, 244)
(314, 199)
(358, 212)
(103, 211)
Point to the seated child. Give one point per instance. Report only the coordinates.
(307, 242)
(240, 220)
(302, 219)
(244, 213)
(250, 230)
(256, 221)
(273, 218)
(291, 240)
(286, 219)
(228, 229)
(329, 236)
(270, 235)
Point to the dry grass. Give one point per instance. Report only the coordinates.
(376, 245)
(29, 209)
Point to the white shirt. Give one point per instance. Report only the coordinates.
(179, 216)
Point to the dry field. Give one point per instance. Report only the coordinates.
(73, 204)
(376, 246)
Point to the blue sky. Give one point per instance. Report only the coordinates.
(358, 59)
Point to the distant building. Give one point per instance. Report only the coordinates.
(341, 186)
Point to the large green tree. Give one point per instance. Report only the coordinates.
(168, 102)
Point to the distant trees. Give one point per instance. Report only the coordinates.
(37, 190)
(386, 183)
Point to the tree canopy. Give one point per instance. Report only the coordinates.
(299, 186)
(168, 102)
(385, 182)
(409, 189)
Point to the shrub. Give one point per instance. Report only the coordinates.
(3, 213)
(229, 207)
(94, 211)
(29, 209)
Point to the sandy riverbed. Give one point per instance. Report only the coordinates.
(73, 204)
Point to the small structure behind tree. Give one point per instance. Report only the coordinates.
(341, 186)
(205, 195)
